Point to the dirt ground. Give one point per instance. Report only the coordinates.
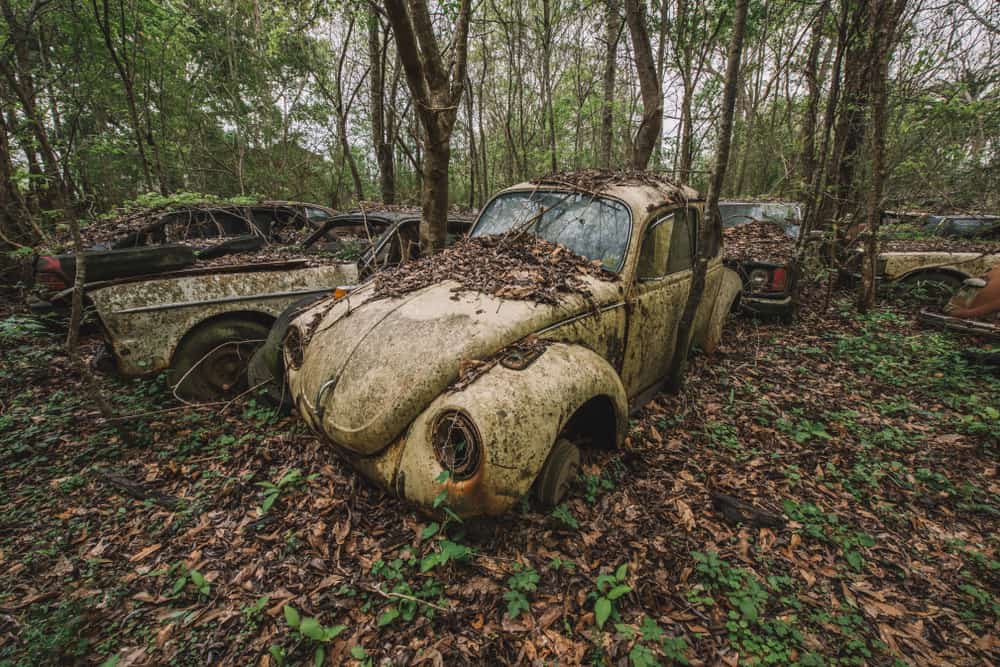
(819, 494)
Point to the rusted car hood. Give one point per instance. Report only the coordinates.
(372, 365)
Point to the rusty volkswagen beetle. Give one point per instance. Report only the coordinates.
(381, 374)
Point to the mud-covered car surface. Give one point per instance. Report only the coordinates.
(398, 242)
(206, 322)
(482, 371)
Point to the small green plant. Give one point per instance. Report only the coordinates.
(520, 584)
(272, 491)
(652, 635)
(564, 516)
(596, 485)
(310, 628)
(558, 563)
(185, 576)
(608, 589)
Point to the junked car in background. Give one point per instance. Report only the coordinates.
(974, 309)
(936, 253)
(760, 241)
(205, 323)
(482, 371)
(166, 239)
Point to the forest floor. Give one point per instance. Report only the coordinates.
(233, 536)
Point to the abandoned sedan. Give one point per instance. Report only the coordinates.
(205, 323)
(483, 370)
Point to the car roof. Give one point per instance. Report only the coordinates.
(642, 190)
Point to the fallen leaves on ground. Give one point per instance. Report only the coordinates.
(872, 439)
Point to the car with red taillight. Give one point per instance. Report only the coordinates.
(760, 240)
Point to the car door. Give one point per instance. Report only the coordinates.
(662, 280)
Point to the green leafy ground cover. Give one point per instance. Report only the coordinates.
(243, 540)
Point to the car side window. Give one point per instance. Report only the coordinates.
(714, 240)
(682, 241)
(655, 248)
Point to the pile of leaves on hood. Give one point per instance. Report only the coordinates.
(517, 266)
(760, 241)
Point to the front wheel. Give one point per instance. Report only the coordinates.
(560, 469)
(210, 364)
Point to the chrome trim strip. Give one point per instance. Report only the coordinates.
(232, 299)
(575, 318)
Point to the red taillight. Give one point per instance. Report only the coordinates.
(49, 273)
(778, 279)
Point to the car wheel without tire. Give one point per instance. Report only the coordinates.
(266, 369)
(560, 470)
(937, 284)
(210, 364)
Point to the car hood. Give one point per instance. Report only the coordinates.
(371, 365)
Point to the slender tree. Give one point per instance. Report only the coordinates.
(883, 20)
(612, 31)
(711, 226)
(436, 87)
(649, 85)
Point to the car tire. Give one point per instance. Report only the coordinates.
(560, 470)
(210, 364)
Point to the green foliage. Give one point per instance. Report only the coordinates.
(563, 515)
(309, 628)
(51, 634)
(520, 584)
(608, 588)
(827, 527)
(763, 640)
(21, 328)
(272, 491)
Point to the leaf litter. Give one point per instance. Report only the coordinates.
(871, 439)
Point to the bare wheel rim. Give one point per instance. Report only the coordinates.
(225, 367)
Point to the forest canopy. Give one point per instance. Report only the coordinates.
(105, 100)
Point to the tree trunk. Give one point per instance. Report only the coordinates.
(436, 89)
(381, 137)
(687, 134)
(649, 85)
(711, 225)
(612, 29)
(434, 200)
(883, 17)
(73, 337)
(550, 115)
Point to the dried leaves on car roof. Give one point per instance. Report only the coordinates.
(760, 241)
(599, 180)
(523, 267)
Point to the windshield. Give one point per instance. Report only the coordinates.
(594, 227)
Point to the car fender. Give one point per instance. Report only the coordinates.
(518, 415)
(730, 288)
(947, 270)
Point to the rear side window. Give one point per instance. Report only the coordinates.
(655, 249)
(682, 241)
(714, 240)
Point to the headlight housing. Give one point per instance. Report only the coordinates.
(458, 447)
(758, 279)
(294, 347)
